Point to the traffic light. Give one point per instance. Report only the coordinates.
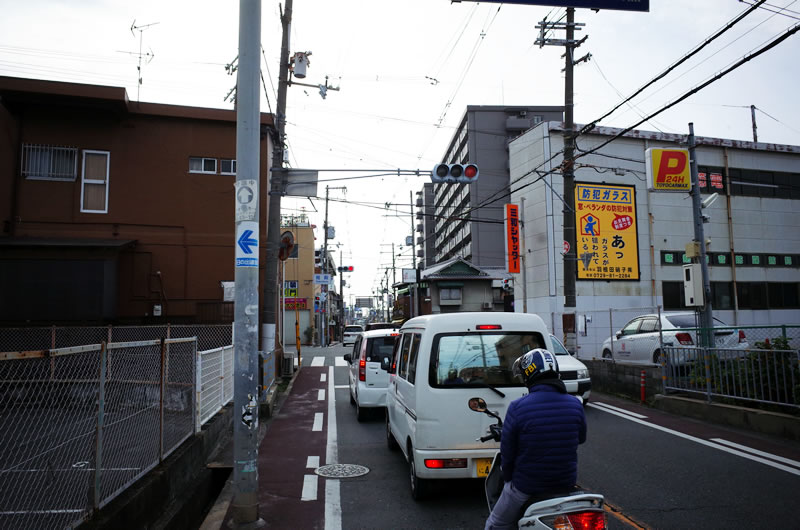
(345, 269)
(455, 173)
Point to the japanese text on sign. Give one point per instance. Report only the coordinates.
(607, 240)
(512, 234)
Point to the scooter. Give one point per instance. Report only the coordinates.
(579, 510)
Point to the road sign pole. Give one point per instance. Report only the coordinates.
(245, 339)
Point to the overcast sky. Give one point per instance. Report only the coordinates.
(406, 71)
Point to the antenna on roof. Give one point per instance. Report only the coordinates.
(149, 54)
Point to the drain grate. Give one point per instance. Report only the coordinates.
(341, 471)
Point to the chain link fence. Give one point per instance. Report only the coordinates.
(79, 424)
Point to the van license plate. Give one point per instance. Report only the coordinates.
(483, 465)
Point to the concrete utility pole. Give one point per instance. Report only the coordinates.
(245, 342)
(706, 318)
(413, 289)
(571, 257)
(323, 303)
(269, 317)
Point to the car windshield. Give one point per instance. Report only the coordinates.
(380, 347)
(558, 348)
(479, 359)
(690, 321)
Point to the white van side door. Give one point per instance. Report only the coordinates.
(404, 413)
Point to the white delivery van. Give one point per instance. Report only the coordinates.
(440, 362)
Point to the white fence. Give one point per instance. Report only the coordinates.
(214, 382)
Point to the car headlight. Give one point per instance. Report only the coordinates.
(583, 374)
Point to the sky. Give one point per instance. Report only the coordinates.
(406, 71)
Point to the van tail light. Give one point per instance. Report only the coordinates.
(362, 370)
(594, 520)
(445, 463)
(488, 326)
(684, 338)
(742, 336)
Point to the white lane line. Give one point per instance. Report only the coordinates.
(746, 449)
(323, 377)
(612, 407)
(339, 361)
(333, 501)
(312, 462)
(317, 422)
(700, 441)
(341, 386)
(310, 488)
(318, 360)
(321, 395)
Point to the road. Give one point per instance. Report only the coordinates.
(654, 469)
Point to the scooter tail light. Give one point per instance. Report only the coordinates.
(684, 338)
(593, 520)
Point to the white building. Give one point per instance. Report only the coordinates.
(754, 228)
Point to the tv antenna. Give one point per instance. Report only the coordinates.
(149, 55)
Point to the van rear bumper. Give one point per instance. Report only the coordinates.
(371, 396)
(472, 456)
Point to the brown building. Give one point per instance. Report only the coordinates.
(115, 211)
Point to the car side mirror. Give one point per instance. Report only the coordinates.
(619, 334)
(386, 363)
(348, 358)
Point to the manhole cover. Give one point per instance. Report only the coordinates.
(341, 471)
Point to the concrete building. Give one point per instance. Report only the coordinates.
(114, 211)
(754, 231)
(482, 138)
(426, 226)
(298, 280)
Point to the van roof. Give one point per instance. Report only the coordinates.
(468, 321)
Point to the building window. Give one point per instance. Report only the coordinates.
(450, 296)
(722, 295)
(227, 167)
(202, 165)
(94, 181)
(45, 162)
(672, 294)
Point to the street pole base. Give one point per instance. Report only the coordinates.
(258, 523)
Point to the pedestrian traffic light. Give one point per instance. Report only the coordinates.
(455, 173)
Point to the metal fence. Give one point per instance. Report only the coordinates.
(214, 382)
(80, 424)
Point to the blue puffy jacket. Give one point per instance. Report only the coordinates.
(541, 433)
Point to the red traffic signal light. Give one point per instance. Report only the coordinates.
(348, 268)
(455, 173)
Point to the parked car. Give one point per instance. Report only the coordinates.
(638, 340)
(573, 372)
(350, 334)
(369, 369)
(381, 325)
(440, 362)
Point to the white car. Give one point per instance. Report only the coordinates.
(573, 373)
(369, 369)
(638, 340)
(350, 334)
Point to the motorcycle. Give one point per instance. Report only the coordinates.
(579, 510)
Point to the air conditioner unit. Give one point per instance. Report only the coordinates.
(487, 305)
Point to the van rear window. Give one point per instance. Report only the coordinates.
(477, 359)
(379, 347)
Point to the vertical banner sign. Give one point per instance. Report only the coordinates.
(512, 236)
(607, 241)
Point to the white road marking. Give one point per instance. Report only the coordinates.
(321, 395)
(310, 488)
(312, 462)
(318, 360)
(700, 441)
(317, 422)
(333, 501)
(342, 386)
(746, 449)
(612, 407)
(339, 361)
(323, 377)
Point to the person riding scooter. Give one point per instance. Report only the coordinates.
(539, 444)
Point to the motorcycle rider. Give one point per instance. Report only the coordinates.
(539, 444)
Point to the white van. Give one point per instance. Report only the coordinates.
(440, 362)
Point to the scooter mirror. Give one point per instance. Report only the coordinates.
(477, 404)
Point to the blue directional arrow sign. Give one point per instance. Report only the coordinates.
(245, 242)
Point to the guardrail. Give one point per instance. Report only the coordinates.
(80, 424)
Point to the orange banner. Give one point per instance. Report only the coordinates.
(512, 237)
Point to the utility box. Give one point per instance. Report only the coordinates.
(693, 285)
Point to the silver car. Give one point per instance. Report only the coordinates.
(351, 333)
(638, 340)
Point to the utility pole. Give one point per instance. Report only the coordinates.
(706, 318)
(413, 288)
(323, 303)
(753, 118)
(245, 341)
(341, 296)
(269, 318)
